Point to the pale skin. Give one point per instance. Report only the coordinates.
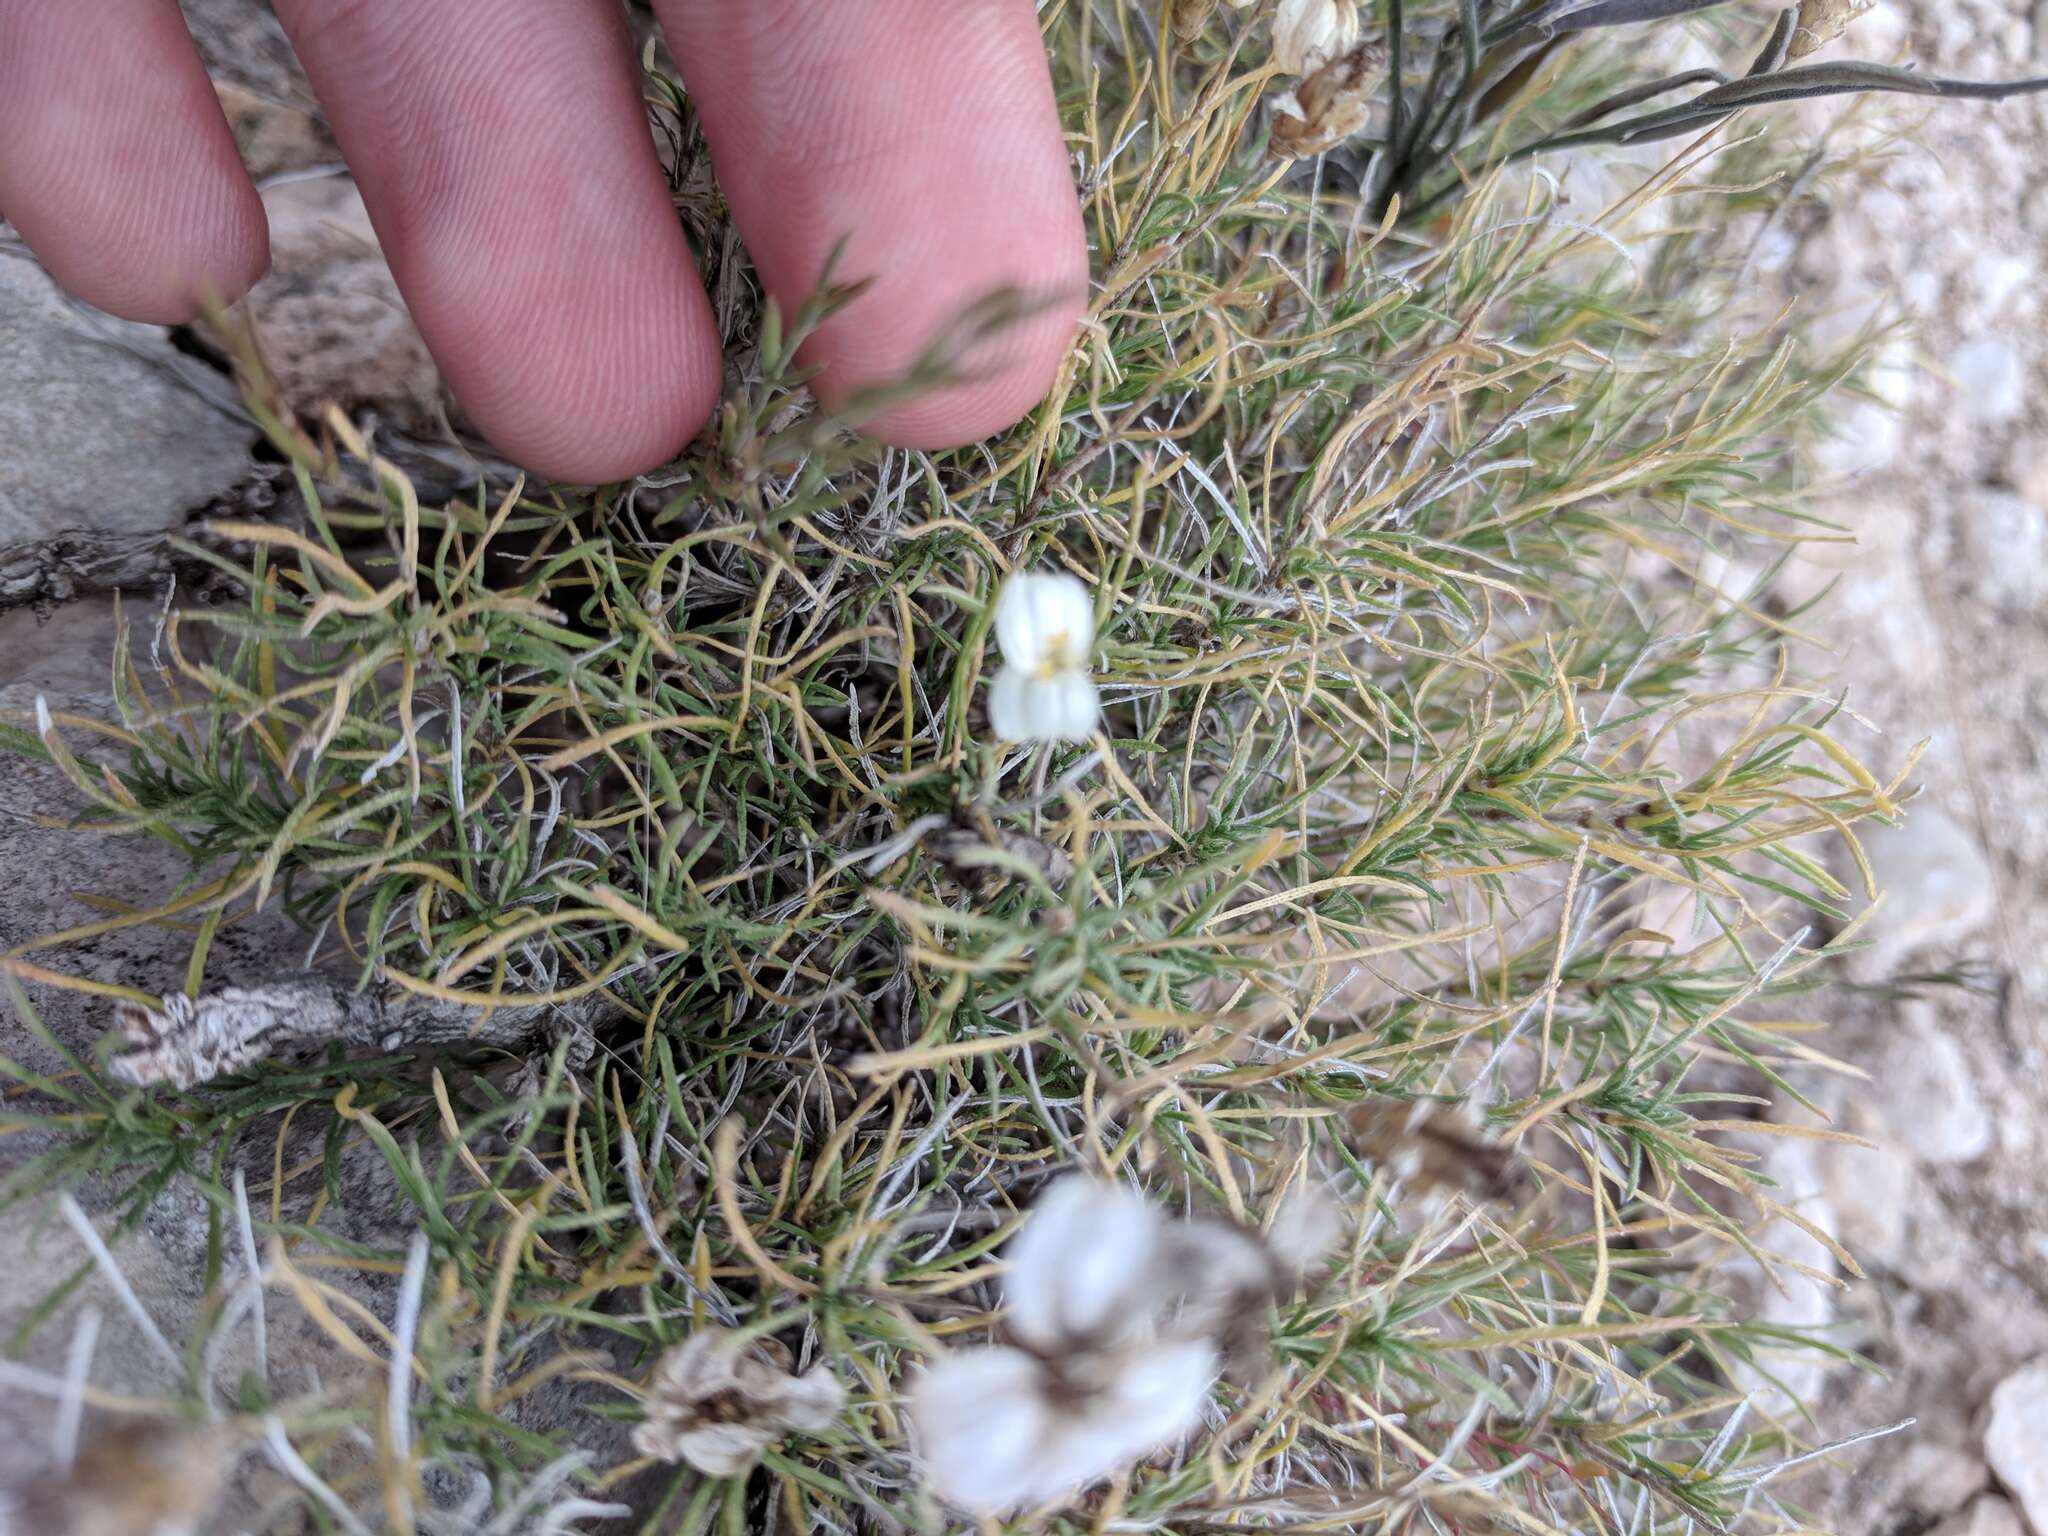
(504, 155)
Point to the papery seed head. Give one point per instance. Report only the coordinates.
(1307, 34)
(1332, 103)
(1820, 22)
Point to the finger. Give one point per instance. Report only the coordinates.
(506, 162)
(116, 166)
(925, 134)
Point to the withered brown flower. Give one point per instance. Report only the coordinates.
(718, 1399)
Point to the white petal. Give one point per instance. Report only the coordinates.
(1152, 1404)
(1073, 1457)
(1023, 706)
(1307, 34)
(1158, 1400)
(1308, 1225)
(1072, 706)
(1082, 1268)
(650, 1437)
(1045, 619)
(982, 1427)
(723, 1450)
(1012, 704)
(812, 1400)
(705, 1362)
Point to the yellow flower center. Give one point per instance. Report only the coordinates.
(1057, 657)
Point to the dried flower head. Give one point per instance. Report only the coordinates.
(1307, 34)
(1820, 22)
(1437, 1148)
(719, 1399)
(1334, 102)
(1122, 1320)
(1045, 627)
(981, 856)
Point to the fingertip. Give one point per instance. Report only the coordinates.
(999, 385)
(206, 259)
(585, 354)
(185, 284)
(240, 250)
(597, 435)
(916, 148)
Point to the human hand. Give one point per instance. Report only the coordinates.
(503, 151)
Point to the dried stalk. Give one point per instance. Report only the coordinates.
(186, 1041)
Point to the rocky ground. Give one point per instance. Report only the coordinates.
(1940, 633)
(113, 436)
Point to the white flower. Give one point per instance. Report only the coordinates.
(717, 1401)
(1122, 1318)
(1045, 627)
(1045, 620)
(1105, 1374)
(1084, 1269)
(1307, 34)
(1002, 1429)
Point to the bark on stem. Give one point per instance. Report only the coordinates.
(186, 1041)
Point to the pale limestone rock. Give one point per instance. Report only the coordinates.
(1998, 280)
(2027, 468)
(1936, 881)
(1990, 378)
(2008, 539)
(274, 138)
(98, 430)
(328, 320)
(1803, 1299)
(1862, 439)
(1987, 1515)
(1929, 1095)
(2016, 1441)
(1871, 1190)
(1939, 1477)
